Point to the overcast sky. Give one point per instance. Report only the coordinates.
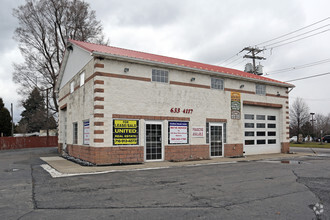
(208, 31)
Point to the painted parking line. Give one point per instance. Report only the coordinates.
(56, 174)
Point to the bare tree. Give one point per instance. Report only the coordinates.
(299, 115)
(44, 27)
(322, 122)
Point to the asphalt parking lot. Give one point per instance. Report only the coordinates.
(245, 190)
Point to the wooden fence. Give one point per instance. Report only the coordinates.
(7, 143)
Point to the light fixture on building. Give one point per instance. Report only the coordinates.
(192, 79)
(278, 93)
(241, 86)
(126, 69)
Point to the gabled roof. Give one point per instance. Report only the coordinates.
(91, 47)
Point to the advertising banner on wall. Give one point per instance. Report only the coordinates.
(125, 132)
(86, 133)
(178, 132)
(235, 105)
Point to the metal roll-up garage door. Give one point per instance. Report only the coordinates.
(261, 130)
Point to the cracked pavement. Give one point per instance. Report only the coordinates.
(246, 190)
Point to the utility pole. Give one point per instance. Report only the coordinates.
(312, 114)
(254, 51)
(12, 120)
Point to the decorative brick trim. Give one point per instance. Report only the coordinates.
(63, 106)
(186, 152)
(98, 131)
(287, 127)
(287, 112)
(216, 120)
(97, 98)
(189, 85)
(147, 117)
(238, 90)
(98, 115)
(287, 132)
(287, 107)
(263, 104)
(287, 117)
(233, 150)
(286, 102)
(277, 96)
(287, 123)
(98, 65)
(63, 97)
(98, 106)
(122, 76)
(98, 90)
(100, 82)
(98, 140)
(98, 123)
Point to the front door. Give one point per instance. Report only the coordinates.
(153, 143)
(216, 143)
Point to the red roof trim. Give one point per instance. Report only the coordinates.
(91, 47)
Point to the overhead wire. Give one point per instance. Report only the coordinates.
(294, 31)
(298, 67)
(308, 77)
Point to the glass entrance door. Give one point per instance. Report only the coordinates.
(153, 144)
(216, 145)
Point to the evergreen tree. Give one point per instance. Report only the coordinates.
(5, 120)
(34, 117)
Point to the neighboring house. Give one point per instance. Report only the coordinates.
(124, 106)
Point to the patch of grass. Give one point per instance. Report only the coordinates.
(311, 145)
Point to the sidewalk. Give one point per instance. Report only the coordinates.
(60, 167)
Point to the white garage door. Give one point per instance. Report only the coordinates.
(261, 130)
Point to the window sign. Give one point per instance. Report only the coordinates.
(125, 132)
(178, 132)
(86, 132)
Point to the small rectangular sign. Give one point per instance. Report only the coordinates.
(197, 131)
(86, 133)
(178, 132)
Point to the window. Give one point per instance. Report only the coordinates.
(261, 125)
(72, 87)
(160, 76)
(260, 89)
(75, 133)
(271, 133)
(82, 78)
(249, 133)
(216, 83)
(271, 118)
(249, 125)
(249, 142)
(250, 117)
(271, 125)
(261, 117)
(261, 133)
(261, 141)
(272, 141)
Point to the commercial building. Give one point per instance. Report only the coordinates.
(124, 106)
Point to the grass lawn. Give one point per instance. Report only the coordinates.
(311, 144)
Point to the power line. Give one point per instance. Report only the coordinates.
(223, 62)
(297, 36)
(298, 67)
(233, 61)
(308, 77)
(299, 39)
(294, 31)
